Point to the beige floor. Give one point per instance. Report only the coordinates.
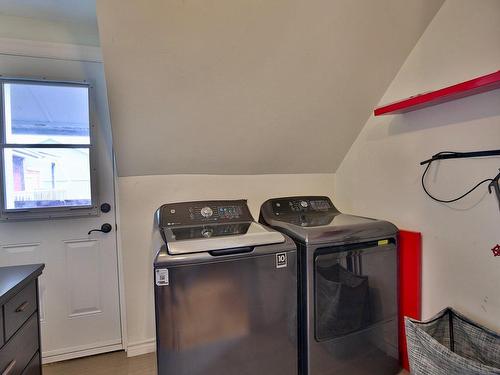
(107, 364)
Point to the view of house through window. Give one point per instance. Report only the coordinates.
(45, 145)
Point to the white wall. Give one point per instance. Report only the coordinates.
(141, 196)
(43, 30)
(380, 175)
(246, 86)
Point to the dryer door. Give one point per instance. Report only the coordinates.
(355, 307)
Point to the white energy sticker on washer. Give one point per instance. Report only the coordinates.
(281, 260)
(162, 277)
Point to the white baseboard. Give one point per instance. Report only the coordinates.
(141, 347)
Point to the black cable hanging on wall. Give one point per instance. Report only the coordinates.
(493, 182)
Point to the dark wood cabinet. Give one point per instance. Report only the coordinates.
(19, 320)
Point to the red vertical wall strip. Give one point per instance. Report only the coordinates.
(410, 285)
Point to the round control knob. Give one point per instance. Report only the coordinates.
(206, 212)
(304, 204)
(207, 233)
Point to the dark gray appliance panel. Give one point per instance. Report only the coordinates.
(229, 317)
(355, 309)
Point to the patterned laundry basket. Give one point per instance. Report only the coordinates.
(451, 344)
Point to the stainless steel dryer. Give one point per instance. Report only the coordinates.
(225, 293)
(348, 286)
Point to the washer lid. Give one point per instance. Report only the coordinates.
(194, 239)
(315, 220)
(191, 227)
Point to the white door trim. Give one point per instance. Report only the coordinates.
(119, 254)
(50, 50)
(141, 347)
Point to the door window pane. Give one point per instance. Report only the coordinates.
(46, 177)
(46, 147)
(46, 114)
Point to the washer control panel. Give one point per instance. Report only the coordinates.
(203, 212)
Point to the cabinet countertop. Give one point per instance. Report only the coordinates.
(15, 278)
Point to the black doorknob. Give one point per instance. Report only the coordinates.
(105, 228)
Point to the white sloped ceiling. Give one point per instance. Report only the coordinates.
(249, 86)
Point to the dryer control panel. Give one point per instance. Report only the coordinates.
(307, 211)
(284, 206)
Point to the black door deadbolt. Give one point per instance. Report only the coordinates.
(105, 207)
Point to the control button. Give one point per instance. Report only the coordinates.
(206, 212)
(207, 233)
(303, 220)
(304, 204)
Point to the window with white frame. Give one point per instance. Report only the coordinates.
(45, 143)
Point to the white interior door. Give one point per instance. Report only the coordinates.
(80, 305)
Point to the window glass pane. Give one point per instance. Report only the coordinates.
(47, 177)
(46, 114)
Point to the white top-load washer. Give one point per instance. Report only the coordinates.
(225, 292)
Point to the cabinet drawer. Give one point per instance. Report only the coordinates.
(19, 308)
(34, 367)
(18, 351)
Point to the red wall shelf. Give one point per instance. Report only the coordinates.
(474, 86)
